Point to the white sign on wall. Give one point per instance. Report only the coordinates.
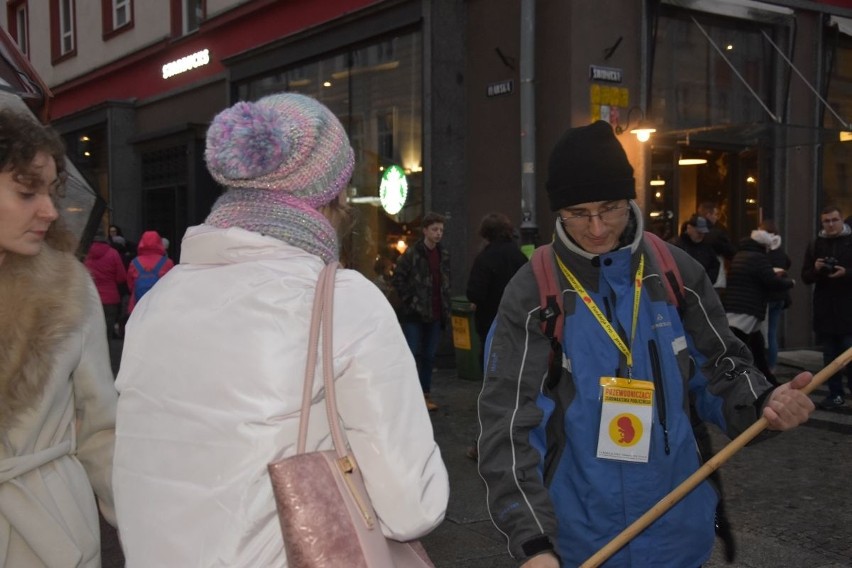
(607, 74)
(501, 88)
(192, 61)
(393, 189)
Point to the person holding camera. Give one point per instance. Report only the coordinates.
(828, 265)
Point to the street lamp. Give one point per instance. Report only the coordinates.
(643, 129)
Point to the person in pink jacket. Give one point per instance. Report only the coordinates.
(107, 270)
(149, 253)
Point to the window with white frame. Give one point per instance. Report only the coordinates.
(120, 13)
(193, 14)
(21, 27)
(66, 26)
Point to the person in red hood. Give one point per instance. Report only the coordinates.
(107, 270)
(149, 252)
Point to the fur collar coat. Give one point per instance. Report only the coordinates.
(57, 413)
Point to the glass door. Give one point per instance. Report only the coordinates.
(683, 178)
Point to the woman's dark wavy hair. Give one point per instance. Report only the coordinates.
(21, 138)
(495, 227)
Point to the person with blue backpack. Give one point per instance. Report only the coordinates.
(151, 264)
(571, 458)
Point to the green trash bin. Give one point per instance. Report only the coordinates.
(465, 339)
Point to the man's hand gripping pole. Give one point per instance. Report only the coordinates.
(704, 471)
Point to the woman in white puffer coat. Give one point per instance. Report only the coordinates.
(213, 363)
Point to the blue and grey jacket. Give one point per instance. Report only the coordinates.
(538, 441)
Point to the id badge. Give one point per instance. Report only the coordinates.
(626, 419)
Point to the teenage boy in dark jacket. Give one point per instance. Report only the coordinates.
(422, 281)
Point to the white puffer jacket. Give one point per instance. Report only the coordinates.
(210, 388)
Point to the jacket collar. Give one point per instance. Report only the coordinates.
(844, 233)
(44, 297)
(586, 265)
(205, 244)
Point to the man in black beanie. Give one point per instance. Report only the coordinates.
(572, 458)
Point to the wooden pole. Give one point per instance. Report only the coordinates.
(704, 471)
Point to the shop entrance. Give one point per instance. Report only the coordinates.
(682, 177)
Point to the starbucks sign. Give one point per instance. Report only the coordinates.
(393, 189)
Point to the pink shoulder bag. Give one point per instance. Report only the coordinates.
(324, 510)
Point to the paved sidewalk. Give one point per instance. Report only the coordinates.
(788, 498)
(804, 359)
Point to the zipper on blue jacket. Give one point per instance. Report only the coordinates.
(659, 391)
(610, 317)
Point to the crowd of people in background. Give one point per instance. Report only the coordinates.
(752, 278)
(755, 283)
(123, 271)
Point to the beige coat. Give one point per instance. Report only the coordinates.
(57, 414)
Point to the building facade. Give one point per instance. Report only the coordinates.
(453, 106)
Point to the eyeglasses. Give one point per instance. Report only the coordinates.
(607, 213)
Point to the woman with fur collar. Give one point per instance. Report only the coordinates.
(57, 398)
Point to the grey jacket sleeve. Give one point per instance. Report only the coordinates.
(728, 364)
(510, 466)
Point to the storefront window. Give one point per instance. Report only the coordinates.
(164, 193)
(89, 150)
(712, 82)
(837, 153)
(694, 86)
(376, 91)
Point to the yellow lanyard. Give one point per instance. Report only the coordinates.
(596, 311)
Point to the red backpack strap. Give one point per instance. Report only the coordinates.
(551, 312)
(550, 297)
(672, 281)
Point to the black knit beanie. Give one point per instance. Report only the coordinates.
(588, 164)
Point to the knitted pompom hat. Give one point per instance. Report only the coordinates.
(281, 158)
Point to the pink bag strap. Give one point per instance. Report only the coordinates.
(321, 320)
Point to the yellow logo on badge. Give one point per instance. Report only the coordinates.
(625, 430)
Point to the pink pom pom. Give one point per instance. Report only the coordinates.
(246, 141)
